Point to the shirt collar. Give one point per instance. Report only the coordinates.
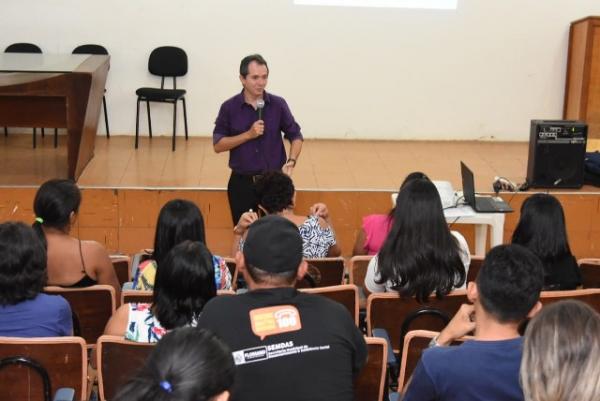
(241, 102)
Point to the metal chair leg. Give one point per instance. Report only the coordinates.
(149, 119)
(185, 118)
(105, 117)
(174, 124)
(55, 137)
(137, 123)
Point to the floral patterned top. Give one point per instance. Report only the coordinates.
(146, 274)
(143, 326)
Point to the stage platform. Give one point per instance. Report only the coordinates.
(124, 188)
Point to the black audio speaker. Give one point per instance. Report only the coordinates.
(556, 153)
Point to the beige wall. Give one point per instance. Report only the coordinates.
(481, 71)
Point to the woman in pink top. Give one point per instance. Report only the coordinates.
(375, 227)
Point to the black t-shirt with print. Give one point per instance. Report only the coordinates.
(310, 348)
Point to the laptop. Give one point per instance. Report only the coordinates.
(480, 203)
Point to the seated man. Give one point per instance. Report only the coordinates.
(287, 345)
(506, 292)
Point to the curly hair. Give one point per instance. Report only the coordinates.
(275, 192)
(22, 263)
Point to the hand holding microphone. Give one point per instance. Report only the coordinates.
(258, 128)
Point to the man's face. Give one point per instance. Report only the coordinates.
(256, 80)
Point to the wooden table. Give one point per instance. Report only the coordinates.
(55, 91)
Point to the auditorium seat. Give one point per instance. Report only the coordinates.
(323, 272)
(117, 361)
(121, 266)
(165, 61)
(91, 308)
(140, 296)
(474, 266)
(357, 272)
(590, 296)
(96, 50)
(29, 48)
(63, 359)
(346, 294)
(590, 272)
(370, 383)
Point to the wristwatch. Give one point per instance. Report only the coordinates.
(291, 160)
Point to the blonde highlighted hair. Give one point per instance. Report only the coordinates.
(561, 354)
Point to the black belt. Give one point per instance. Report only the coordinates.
(253, 177)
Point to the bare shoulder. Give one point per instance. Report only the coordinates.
(117, 324)
(94, 249)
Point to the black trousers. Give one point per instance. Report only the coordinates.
(241, 194)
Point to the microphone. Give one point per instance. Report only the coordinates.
(260, 104)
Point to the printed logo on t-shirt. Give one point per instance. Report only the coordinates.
(274, 320)
(277, 350)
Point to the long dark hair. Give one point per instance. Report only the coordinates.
(541, 228)
(54, 202)
(420, 256)
(178, 220)
(184, 283)
(187, 364)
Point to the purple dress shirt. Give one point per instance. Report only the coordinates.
(266, 152)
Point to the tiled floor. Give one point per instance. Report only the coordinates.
(323, 165)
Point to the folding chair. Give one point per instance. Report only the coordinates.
(590, 272)
(31, 368)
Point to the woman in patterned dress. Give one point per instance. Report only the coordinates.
(276, 195)
(184, 284)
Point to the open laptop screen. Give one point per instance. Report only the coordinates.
(468, 184)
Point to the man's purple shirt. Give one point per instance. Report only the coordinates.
(266, 152)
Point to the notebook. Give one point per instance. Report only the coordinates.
(480, 203)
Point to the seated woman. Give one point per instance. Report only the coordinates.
(542, 230)
(375, 227)
(561, 352)
(420, 255)
(179, 220)
(24, 310)
(276, 195)
(184, 283)
(71, 261)
(188, 364)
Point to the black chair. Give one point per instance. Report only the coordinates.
(29, 48)
(98, 50)
(165, 61)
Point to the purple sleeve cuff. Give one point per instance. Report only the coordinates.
(217, 137)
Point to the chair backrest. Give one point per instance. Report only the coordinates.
(398, 315)
(117, 361)
(168, 61)
(90, 49)
(590, 272)
(369, 384)
(23, 48)
(474, 266)
(590, 296)
(121, 265)
(91, 308)
(63, 358)
(138, 296)
(358, 270)
(323, 272)
(415, 342)
(346, 294)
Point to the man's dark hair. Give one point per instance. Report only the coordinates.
(248, 59)
(509, 282)
(260, 276)
(22, 263)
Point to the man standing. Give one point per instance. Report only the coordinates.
(505, 293)
(249, 126)
(287, 345)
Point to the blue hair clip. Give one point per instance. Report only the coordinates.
(165, 385)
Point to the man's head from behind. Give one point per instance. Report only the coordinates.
(509, 283)
(272, 254)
